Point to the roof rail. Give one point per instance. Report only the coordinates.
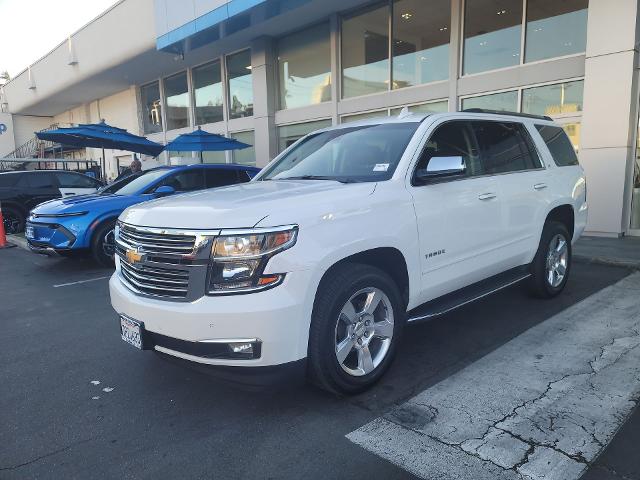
(513, 114)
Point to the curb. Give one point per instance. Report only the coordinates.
(612, 262)
(18, 241)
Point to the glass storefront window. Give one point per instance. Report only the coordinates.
(246, 156)
(555, 29)
(289, 134)
(431, 107)
(240, 84)
(420, 42)
(635, 202)
(553, 99)
(176, 92)
(207, 86)
(356, 117)
(304, 66)
(505, 101)
(152, 107)
(365, 53)
(214, 157)
(492, 34)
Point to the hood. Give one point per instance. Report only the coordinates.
(86, 203)
(245, 205)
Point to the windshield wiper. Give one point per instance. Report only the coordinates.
(319, 177)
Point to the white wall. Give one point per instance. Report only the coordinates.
(25, 127)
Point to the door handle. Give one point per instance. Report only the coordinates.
(540, 186)
(486, 196)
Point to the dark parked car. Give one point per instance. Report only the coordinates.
(22, 191)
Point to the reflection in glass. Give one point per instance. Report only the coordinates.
(573, 132)
(553, 99)
(555, 28)
(207, 86)
(420, 42)
(152, 108)
(505, 101)
(304, 65)
(246, 156)
(635, 205)
(363, 116)
(492, 34)
(177, 99)
(365, 53)
(431, 107)
(240, 85)
(289, 134)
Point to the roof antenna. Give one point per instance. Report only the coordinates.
(404, 112)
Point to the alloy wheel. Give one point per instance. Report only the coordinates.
(364, 330)
(11, 222)
(109, 243)
(557, 260)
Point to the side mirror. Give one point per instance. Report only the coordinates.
(441, 167)
(164, 190)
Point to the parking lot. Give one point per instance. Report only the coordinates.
(77, 402)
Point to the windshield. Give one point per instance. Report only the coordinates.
(136, 182)
(368, 153)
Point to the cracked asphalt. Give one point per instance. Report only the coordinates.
(483, 387)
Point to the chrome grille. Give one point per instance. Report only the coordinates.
(158, 281)
(157, 241)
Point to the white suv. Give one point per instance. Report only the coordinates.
(347, 236)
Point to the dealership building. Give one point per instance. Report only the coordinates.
(267, 72)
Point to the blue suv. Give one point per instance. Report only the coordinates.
(86, 223)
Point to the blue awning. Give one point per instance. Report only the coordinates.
(201, 141)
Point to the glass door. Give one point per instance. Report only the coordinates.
(635, 197)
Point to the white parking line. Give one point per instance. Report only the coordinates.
(542, 406)
(81, 281)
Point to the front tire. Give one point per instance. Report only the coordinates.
(13, 220)
(103, 244)
(552, 264)
(356, 325)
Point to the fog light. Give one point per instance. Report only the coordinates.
(242, 348)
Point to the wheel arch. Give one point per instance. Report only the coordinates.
(564, 214)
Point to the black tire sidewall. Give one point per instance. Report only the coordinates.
(326, 312)
(96, 244)
(540, 284)
(16, 213)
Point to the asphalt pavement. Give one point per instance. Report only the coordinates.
(77, 402)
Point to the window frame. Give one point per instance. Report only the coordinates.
(530, 144)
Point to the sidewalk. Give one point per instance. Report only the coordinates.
(623, 251)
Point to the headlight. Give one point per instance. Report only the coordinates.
(239, 259)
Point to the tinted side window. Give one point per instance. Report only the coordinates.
(559, 145)
(39, 180)
(218, 177)
(186, 181)
(505, 147)
(452, 139)
(73, 180)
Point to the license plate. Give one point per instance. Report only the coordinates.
(28, 232)
(131, 332)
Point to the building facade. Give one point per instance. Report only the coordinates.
(269, 71)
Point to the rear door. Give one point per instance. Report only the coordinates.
(459, 218)
(509, 154)
(37, 187)
(71, 184)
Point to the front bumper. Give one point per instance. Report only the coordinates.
(278, 318)
(49, 237)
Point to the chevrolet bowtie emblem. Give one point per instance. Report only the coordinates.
(133, 256)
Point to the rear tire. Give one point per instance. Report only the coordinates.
(356, 326)
(13, 220)
(103, 244)
(552, 264)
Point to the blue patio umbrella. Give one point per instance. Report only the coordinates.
(201, 141)
(101, 135)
